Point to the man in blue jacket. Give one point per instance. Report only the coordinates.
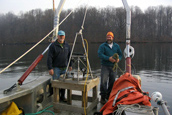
(105, 53)
(58, 57)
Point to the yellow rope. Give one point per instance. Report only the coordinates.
(116, 57)
(87, 46)
(115, 67)
(86, 78)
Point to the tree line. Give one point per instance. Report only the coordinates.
(152, 25)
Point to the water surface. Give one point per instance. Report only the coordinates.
(152, 61)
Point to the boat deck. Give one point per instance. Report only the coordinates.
(28, 94)
(69, 112)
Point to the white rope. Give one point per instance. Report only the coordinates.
(82, 26)
(84, 17)
(37, 43)
(135, 108)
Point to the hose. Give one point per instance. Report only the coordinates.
(44, 110)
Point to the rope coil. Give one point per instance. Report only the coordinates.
(115, 67)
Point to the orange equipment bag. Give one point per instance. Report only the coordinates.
(126, 91)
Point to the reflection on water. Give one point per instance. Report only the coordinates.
(153, 62)
(160, 76)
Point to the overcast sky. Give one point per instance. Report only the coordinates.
(16, 6)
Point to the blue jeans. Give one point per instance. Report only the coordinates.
(107, 73)
(57, 73)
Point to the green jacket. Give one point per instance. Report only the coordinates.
(104, 52)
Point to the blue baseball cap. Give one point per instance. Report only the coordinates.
(61, 33)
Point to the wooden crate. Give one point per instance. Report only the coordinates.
(70, 85)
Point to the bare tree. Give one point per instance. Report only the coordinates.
(152, 25)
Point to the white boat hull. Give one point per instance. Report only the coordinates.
(28, 95)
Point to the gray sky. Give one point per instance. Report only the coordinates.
(16, 6)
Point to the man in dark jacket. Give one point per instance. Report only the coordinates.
(58, 57)
(105, 53)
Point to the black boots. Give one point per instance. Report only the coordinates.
(102, 100)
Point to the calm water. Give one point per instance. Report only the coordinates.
(153, 62)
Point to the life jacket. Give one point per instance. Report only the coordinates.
(126, 90)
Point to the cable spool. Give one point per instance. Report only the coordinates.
(131, 52)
